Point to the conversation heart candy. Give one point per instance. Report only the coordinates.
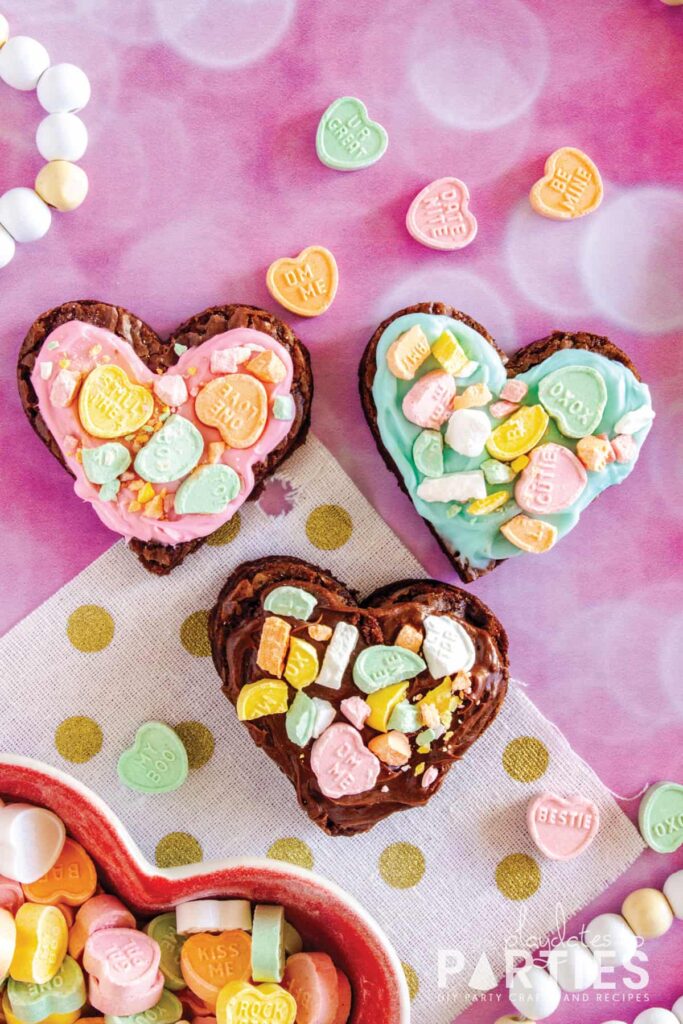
(514, 391)
(344, 994)
(453, 487)
(408, 352)
(64, 388)
(337, 655)
(163, 930)
(382, 664)
(209, 962)
(263, 697)
(428, 403)
(356, 710)
(447, 646)
(98, 912)
(237, 406)
(53, 1018)
(575, 396)
(242, 1003)
(11, 894)
(157, 761)
(635, 420)
(41, 943)
(8, 942)
(518, 434)
(405, 718)
(111, 405)
(382, 704)
(123, 965)
(299, 724)
(439, 216)
(625, 448)
(208, 490)
(571, 186)
(341, 763)
(467, 432)
(293, 601)
(173, 451)
(62, 994)
(448, 351)
(491, 503)
(284, 407)
(428, 453)
(31, 840)
(72, 879)
(347, 140)
(532, 535)
(660, 817)
(268, 944)
(474, 396)
(311, 978)
(552, 481)
(103, 464)
(213, 916)
(306, 284)
(325, 714)
(166, 1010)
(301, 668)
(268, 366)
(410, 637)
(562, 828)
(273, 645)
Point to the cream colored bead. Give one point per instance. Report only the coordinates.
(648, 913)
(62, 185)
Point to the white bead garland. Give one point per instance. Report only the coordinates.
(61, 138)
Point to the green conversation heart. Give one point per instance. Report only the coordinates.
(157, 761)
(347, 139)
(292, 601)
(300, 719)
(103, 464)
(65, 993)
(575, 396)
(163, 930)
(168, 1010)
(428, 453)
(171, 453)
(381, 665)
(405, 718)
(207, 491)
(661, 817)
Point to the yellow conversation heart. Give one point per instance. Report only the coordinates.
(264, 697)
(302, 663)
(570, 187)
(518, 434)
(242, 1003)
(42, 937)
(382, 704)
(110, 405)
(306, 284)
(532, 535)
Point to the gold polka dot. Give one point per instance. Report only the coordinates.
(402, 865)
(518, 876)
(198, 742)
(329, 527)
(225, 533)
(90, 628)
(78, 739)
(176, 849)
(526, 759)
(194, 634)
(412, 979)
(294, 851)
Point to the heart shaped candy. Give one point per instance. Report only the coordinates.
(347, 139)
(660, 817)
(157, 761)
(306, 284)
(374, 731)
(232, 387)
(499, 455)
(562, 829)
(31, 840)
(571, 186)
(239, 1002)
(439, 216)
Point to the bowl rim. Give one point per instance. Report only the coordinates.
(203, 867)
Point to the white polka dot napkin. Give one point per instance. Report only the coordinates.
(448, 882)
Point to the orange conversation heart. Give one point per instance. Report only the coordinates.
(208, 962)
(237, 406)
(571, 186)
(71, 880)
(307, 284)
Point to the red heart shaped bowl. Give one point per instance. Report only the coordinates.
(328, 918)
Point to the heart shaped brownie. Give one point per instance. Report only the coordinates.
(499, 456)
(165, 438)
(364, 706)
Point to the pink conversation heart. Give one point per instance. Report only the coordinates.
(11, 895)
(552, 481)
(514, 391)
(342, 763)
(96, 914)
(356, 710)
(561, 828)
(127, 1002)
(123, 965)
(439, 215)
(429, 401)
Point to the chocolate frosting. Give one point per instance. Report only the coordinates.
(235, 627)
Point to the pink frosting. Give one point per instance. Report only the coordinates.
(78, 342)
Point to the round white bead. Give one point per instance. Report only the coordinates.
(677, 1009)
(4, 30)
(612, 940)
(24, 215)
(7, 247)
(573, 966)
(62, 137)
(64, 88)
(656, 1015)
(673, 890)
(22, 61)
(534, 993)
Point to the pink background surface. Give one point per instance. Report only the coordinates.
(203, 170)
